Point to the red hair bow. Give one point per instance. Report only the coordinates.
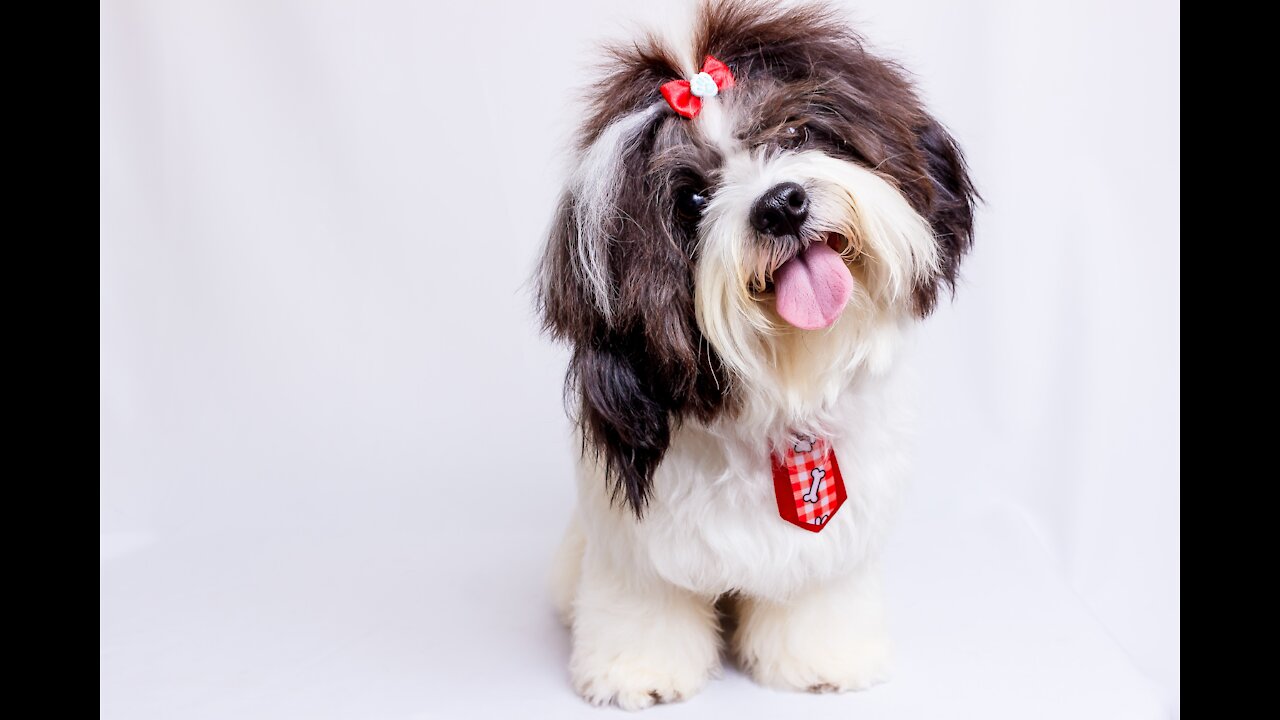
(685, 96)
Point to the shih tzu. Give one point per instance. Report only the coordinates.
(756, 215)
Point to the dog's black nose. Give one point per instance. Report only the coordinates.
(781, 210)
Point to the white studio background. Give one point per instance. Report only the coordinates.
(334, 460)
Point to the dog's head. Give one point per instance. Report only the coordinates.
(746, 260)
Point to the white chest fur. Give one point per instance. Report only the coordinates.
(713, 526)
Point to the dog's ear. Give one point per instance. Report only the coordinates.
(949, 208)
(625, 417)
(635, 369)
(570, 311)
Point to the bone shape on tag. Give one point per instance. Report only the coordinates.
(812, 496)
(804, 445)
(820, 520)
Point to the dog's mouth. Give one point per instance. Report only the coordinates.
(762, 284)
(811, 284)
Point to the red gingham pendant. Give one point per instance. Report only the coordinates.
(807, 481)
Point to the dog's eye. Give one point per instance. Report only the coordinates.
(793, 137)
(690, 202)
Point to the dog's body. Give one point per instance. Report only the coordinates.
(736, 275)
(711, 529)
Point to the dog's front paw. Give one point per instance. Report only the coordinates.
(819, 667)
(635, 683)
(638, 641)
(829, 639)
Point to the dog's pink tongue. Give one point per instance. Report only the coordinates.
(813, 287)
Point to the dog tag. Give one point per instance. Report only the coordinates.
(807, 482)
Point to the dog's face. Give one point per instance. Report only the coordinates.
(743, 263)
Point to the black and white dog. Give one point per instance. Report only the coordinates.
(758, 213)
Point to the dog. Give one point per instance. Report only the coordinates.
(756, 215)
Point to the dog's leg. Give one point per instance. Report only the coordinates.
(567, 568)
(639, 640)
(829, 638)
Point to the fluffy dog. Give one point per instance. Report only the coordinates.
(756, 215)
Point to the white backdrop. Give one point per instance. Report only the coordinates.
(316, 223)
